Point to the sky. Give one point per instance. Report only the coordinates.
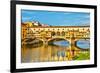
(56, 18)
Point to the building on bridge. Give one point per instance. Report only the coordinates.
(46, 34)
(67, 31)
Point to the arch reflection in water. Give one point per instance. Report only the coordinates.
(57, 51)
(45, 52)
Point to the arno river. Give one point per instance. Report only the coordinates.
(45, 53)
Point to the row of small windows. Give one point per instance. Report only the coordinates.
(61, 29)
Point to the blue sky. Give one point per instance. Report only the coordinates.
(55, 18)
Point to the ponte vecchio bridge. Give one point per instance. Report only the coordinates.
(50, 33)
(69, 33)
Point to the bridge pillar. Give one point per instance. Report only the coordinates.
(71, 49)
(45, 42)
(73, 46)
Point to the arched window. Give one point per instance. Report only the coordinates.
(53, 34)
(63, 33)
(58, 33)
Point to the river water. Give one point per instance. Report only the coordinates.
(44, 53)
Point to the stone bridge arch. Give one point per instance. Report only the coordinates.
(66, 39)
(76, 40)
(40, 39)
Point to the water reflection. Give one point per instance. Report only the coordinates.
(45, 53)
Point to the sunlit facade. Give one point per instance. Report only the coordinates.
(46, 34)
